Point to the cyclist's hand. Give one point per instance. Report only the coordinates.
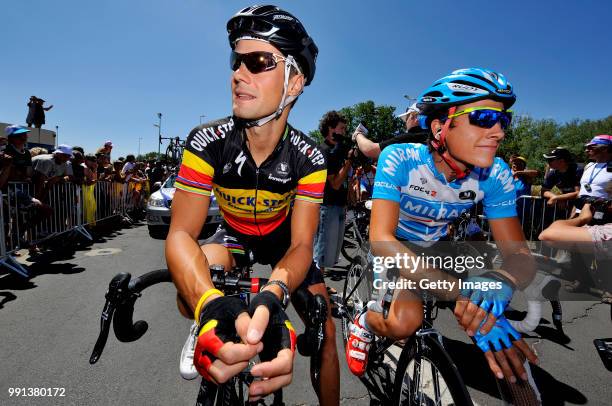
(475, 305)
(218, 354)
(270, 325)
(505, 350)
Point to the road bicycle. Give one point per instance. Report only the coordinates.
(356, 230)
(124, 290)
(174, 151)
(423, 373)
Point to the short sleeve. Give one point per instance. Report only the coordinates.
(312, 170)
(199, 159)
(387, 183)
(310, 187)
(500, 198)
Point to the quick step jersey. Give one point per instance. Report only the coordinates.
(428, 203)
(253, 200)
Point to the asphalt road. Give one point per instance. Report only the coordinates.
(49, 323)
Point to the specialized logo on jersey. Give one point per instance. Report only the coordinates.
(240, 160)
(306, 148)
(207, 135)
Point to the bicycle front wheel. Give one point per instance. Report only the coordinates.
(356, 293)
(426, 375)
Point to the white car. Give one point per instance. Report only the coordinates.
(158, 211)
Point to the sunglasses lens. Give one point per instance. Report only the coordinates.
(488, 118)
(235, 61)
(256, 62)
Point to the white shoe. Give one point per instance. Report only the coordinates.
(186, 367)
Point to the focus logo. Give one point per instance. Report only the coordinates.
(421, 189)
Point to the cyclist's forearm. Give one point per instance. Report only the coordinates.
(294, 266)
(188, 267)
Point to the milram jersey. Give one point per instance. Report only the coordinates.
(428, 203)
(253, 200)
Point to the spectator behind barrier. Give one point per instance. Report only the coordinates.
(578, 234)
(596, 173)
(76, 165)
(565, 174)
(5, 162)
(90, 168)
(51, 169)
(38, 151)
(21, 168)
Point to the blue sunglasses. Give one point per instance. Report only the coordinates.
(486, 117)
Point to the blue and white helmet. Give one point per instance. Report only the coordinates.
(466, 86)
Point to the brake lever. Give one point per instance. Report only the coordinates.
(117, 289)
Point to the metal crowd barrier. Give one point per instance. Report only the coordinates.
(534, 214)
(65, 208)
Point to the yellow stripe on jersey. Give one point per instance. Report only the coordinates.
(241, 202)
(197, 164)
(315, 177)
(191, 189)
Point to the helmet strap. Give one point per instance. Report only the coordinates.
(442, 149)
(285, 100)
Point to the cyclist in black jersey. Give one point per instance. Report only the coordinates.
(268, 179)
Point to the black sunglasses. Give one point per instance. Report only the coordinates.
(256, 62)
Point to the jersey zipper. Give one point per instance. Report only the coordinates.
(255, 205)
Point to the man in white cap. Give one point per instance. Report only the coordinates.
(52, 168)
(413, 133)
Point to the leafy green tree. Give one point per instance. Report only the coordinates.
(379, 120)
(148, 156)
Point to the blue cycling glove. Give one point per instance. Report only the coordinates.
(501, 336)
(492, 300)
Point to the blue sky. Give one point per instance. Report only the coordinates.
(109, 66)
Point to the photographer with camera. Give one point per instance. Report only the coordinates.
(336, 148)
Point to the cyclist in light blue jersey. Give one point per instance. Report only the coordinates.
(420, 190)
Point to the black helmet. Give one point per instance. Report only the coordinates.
(280, 29)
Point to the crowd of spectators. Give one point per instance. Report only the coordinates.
(33, 173)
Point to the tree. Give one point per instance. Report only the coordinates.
(379, 120)
(148, 156)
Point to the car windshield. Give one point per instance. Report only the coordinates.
(170, 182)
